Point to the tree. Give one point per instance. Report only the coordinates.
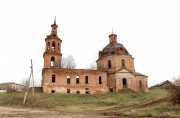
(174, 91)
(68, 62)
(93, 64)
(25, 81)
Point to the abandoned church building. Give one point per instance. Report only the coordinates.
(115, 70)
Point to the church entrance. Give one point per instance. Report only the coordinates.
(124, 81)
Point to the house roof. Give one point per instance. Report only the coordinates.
(12, 83)
(162, 83)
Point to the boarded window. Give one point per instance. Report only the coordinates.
(68, 91)
(53, 78)
(109, 63)
(86, 80)
(68, 79)
(100, 80)
(77, 79)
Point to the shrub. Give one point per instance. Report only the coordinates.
(174, 91)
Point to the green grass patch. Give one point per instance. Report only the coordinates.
(76, 102)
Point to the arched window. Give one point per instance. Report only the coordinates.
(68, 79)
(53, 45)
(123, 63)
(77, 79)
(109, 63)
(100, 80)
(124, 81)
(52, 61)
(140, 83)
(48, 45)
(53, 78)
(86, 80)
(58, 46)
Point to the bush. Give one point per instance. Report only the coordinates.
(174, 91)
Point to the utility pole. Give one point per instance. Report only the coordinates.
(28, 86)
(32, 77)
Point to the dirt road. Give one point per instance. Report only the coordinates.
(6, 112)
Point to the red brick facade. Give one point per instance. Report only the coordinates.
(115, 70)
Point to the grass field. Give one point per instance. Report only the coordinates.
(80, 102)
(162, 110)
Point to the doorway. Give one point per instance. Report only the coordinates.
(124, 81)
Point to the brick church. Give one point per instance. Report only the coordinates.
(115, 70)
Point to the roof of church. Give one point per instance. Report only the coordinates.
(114, 48)
(139, 74)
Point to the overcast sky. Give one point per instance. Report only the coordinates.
(149, 29)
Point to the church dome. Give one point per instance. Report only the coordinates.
(114, 48)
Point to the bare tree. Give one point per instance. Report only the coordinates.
(68, 62)
(174, 91)
(25, 81)
(93, 64)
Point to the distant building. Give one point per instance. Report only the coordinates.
(115, 70)
(161, 85)
(12, 87)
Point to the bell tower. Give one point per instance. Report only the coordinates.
(52, 55)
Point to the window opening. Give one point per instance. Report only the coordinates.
(86, 80)
(48, 46)
(68, 79)
(78, 92)
(68, 91)
(58, 46)
(123, 62)
(140, 83)
(53, 78)
(109, 63)
(124, 82)
(52, 61)
(77, 79)
(87, 91)
(100, 80)
(111, 90)
(52, 91)
(53, 45)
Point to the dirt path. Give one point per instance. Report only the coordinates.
(6, 112)
(116, 110)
